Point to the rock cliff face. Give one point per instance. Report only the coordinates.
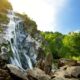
(23, 47)
(17, 47)
(21, 57)
(68, 69)
(42, 71)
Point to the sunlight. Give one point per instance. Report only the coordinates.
(44, 12)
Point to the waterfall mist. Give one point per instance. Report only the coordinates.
(22, 45)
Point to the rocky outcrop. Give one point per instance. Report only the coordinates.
(37, 74)
(17, 72)
(12, 72)
(48, 63)
(2, 40)
(41, 54)
(73, 71)
(31, 74)
(67, 73)
(69, 62)
(62, 78)
(45, 63)
(4, 75)
(4, 55)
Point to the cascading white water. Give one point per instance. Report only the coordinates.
(23, 50)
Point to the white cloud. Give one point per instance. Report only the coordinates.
(77, 31)
(44, 12)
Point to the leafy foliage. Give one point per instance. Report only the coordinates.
(60, 45)
(5, 6)
(30, 25)
(72, 42)
(3, 18)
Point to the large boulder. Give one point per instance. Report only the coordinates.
(45, 63)
(67, 72)
(40, 59)
(41, 54)
(37, 74)
(69, 62)
(62, 78)
(3, 54)
(48, 63)
(78, 63)
(2, 63)
(73, 71)
(17, 72)
(3, 57)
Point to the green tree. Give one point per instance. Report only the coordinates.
(72, 44)
(53, 43)
(62, 46)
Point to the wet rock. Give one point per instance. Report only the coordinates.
(63, 62)
(16, 72)
(40, 59)
(3, 54)
(73, 71)
(2, 63)
(45, 63)
(48, 64)
(2, 40)
(78, 63)
(68, 73)
(3, 57)
(41, 54)
(62, 78)
(4, 75)
(37, 74)
(59, 73)
(40, 64)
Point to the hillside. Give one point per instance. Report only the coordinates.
(29, 54)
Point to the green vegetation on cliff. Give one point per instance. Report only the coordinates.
(29, 25)
(4, 7)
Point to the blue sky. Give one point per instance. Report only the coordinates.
(51, 15)
(69, 17)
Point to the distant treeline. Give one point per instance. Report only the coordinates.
(62, 46)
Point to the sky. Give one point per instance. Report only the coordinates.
(51, 15)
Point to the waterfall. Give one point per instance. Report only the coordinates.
(22, 46)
